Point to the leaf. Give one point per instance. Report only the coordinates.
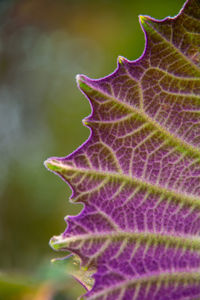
(138, 174)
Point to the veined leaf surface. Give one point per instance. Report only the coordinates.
(138, 174)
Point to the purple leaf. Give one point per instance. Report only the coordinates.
(138, 174)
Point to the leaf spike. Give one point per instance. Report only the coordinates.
(143, 18)
(81, 81)
(54, 242)
(121, 60)
(79, 77)
(54, 165)
(85, 122)
(145, 22)
(48, 164)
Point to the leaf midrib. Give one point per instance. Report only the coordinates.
(184, 57)
(165, 276)
(175, 139)
(187, 199)
(189, 242)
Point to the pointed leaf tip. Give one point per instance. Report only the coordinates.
(54, 242)
(142, 19)
(79, 78)
(121, 60)
(53, 165)
(82, 83)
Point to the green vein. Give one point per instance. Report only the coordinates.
(60, 168)
(189, 277)
(191, 17)
(152, 239)
(87, 120)
(144, 21)
(175, 139)
(175, 77)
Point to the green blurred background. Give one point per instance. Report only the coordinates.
(43, 45)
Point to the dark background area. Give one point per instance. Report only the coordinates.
(43, 45)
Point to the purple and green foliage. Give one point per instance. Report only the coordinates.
(138, 174)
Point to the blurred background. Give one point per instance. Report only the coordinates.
(43, 45)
